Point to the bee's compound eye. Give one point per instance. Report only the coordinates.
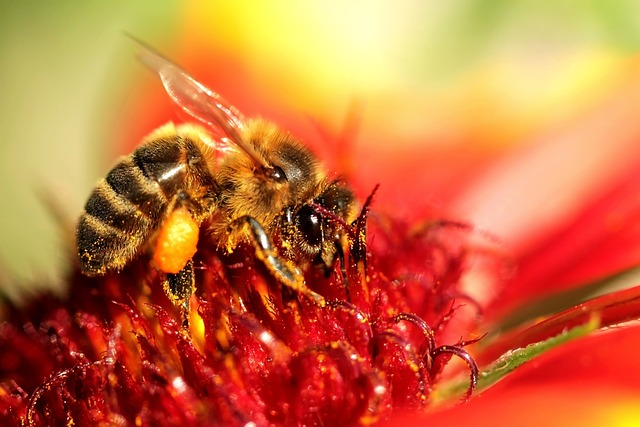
(310, 225)
(277, 174)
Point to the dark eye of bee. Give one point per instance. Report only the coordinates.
(309, 223)
(276, 173)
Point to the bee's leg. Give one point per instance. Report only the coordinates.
(179, 287)
(283, 270)
(176, 245)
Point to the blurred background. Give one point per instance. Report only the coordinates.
(498, 112)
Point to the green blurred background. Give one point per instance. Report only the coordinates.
(64, 70)
(67, 69)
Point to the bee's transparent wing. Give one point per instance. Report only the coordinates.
(200, 102)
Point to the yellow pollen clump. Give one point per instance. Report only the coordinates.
(177, 241)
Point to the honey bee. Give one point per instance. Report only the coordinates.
(249, 179)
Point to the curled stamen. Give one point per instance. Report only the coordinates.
(422, 325)
(54, 380)
(467, 358)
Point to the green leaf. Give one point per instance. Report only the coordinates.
(511, 360)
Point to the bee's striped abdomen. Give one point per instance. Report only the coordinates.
(128, 206)
(119, 216)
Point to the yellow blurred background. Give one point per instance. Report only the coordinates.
(446, 86)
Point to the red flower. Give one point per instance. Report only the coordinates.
(421, 313)
(112, 351)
